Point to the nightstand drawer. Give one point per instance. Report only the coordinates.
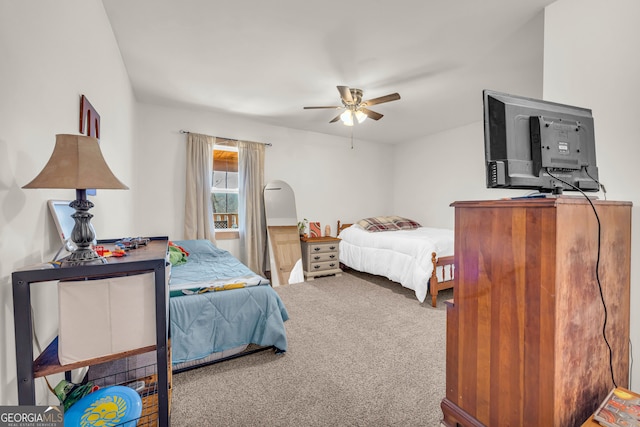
(322, 266)
(323, 256)
(317, 248)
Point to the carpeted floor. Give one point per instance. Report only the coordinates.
(362, 351)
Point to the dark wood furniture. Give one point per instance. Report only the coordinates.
(525, 345)
(445, 281)
(150, 258)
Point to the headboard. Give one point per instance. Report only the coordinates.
(342, 227)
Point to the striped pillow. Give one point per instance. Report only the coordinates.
(387, 223)
(405, 223)
(378, 223)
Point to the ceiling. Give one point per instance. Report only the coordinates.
(266, 60)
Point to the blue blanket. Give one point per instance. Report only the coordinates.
(207, 263)
(202, 324)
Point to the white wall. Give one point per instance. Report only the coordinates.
(331, 181)
(438, 170)
(591, 60)
(50, 54)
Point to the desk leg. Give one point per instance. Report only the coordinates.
(24, 349)
(162, 317)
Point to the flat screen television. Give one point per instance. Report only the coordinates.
(538, 145)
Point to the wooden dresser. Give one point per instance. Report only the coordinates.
(524, 330)
(320, 256)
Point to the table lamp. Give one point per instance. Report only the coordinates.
(77, 162)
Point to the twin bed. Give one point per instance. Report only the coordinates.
(219, 308)
(419, 258)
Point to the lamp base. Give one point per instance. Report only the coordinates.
(84, 256)
(82, 234)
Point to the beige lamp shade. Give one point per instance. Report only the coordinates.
(76, 162)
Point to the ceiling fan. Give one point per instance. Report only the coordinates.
(355, 107)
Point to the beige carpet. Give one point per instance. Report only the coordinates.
(362, 352)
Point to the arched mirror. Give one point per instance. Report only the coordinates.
(283, 235)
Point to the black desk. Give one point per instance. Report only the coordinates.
(150, 258)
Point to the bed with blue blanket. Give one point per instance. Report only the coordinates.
(218, 307)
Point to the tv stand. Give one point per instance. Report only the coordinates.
(573, 196)
(557, 191)
(554, 196)
(524, 330)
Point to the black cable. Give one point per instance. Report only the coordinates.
(602, 187)
(604, 305)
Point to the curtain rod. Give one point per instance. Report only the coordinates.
(268, 144)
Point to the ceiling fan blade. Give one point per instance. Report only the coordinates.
(332, 106)
(380, 100)
(371, 114)
(345, 94)
(335, 119)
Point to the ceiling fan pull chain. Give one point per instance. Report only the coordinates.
(352, 137)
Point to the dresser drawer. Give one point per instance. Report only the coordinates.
(317, 248)
(322, 266)
(323, 256)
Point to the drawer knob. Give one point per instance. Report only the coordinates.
(316, 249)
(333, 264)
(316, 257)
(316, 267)
(332, 247)
(332, 256)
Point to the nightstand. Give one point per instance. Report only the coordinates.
(320, 256)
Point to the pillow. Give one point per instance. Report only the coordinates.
(405, 223)
(378, 223)
(387, 223)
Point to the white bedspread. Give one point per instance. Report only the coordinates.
(403, 256)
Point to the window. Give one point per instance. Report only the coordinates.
(224, 190)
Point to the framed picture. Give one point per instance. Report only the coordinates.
(314, 229)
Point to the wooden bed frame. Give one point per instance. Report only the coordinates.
(436, 283)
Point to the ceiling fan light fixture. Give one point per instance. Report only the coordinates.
(355, 107)
(347, 118)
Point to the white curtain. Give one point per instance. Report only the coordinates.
(198, 212)
(251, 205)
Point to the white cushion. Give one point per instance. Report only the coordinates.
(106, 316)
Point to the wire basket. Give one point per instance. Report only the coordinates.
(141, 378)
